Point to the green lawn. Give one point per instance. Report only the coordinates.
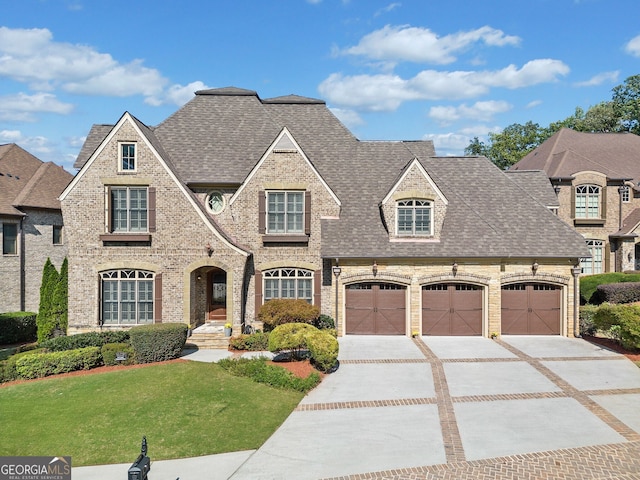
(185, 409)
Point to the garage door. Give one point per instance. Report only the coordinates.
(531, 309)
(451, 309)
(375, 309)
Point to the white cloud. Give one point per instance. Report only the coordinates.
(387, 9)
(385, 92)
(349, 118)
(599, 79)
(176, 94)
(10, 136)
(21, 107)
(633, 47)
(482, 111)
(31, 56)
(533, 104)
(448, 144)
(421, 45)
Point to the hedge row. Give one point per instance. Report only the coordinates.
(627, 292)
(89, 339)
(620, 322)
(16, 327)
(52, 363)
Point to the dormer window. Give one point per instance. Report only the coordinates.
(414, 217)
(127, 157)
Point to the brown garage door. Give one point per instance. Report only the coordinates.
(531, 309)
(451, 309)
(375, 309)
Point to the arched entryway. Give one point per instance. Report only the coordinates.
(216, 294)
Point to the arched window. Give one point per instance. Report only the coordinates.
(414, 217)
(288, 283)
(127, 297)
(587, 201)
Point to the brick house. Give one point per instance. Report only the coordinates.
(234, 200)
(596, 177)
(31, 226)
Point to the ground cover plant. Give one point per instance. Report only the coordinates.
(185, 409)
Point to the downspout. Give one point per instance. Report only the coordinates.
(576, 271)
(22, 267)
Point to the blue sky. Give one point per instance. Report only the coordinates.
(390, 70)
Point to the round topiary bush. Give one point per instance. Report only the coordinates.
(323, 348)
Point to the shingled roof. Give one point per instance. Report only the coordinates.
(617, 155)
(221, 134)
(27, 182)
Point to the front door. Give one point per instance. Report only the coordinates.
(217, 295)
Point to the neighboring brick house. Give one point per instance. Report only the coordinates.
(31, 226)
(234, 200)
(596, 177)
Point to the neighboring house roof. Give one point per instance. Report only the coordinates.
(221, 135)
(617, 155)
(629, 224)
(27, 182)
(537, 184)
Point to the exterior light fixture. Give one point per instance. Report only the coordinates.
(534, 267)
(208, 248)
(336, 271)
(454, 268)
(374, 268)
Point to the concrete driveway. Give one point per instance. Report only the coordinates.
(450, 407)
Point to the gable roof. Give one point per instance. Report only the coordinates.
(616, 155)
(537, 184)
(222, 134)
(26, 181)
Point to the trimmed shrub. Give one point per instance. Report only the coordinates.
(109, 352)
(291, 337)
(324, 322)
(589, 283)
(16, 327)
(285, 310)
(587, 323)
(323, 348)
(621, 322)
(158, 342)
(46, 319)
(8, 370)
(626, 292)
(52, 363)
(254, 342)
(89, 339)
(260, 371)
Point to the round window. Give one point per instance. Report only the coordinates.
(215, 202)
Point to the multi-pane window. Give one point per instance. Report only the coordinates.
(57, 235)
(127, 297)
(625, 193)
(288, 283)
(414, 217)
(129, 209)
(594, 264)
(587, 201)
(127, 157)
(285, 212)
(9, 238)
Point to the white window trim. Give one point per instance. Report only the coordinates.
(286, 213)
(117, 276)
(121, 168)
(413, 221)
(299, 274)
(588, 195)
(208, 206)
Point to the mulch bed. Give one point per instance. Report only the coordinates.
(633, 355)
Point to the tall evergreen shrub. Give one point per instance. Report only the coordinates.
(46, 320)
(60, 296)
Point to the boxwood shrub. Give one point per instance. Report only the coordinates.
(109, 352)
(255, 342)
(8, 370)
(323, 348)
(290, 337)
(16, 327)
(89, 339)
(622, 322)
(158, 342)
(52, 363)
(286, 310)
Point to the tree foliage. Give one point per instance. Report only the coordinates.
(46, 320)
(621, 114)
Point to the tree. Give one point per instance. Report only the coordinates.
(509, 146)
(626, 104)
(60, 297)
(45, 320)
(601, 118)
